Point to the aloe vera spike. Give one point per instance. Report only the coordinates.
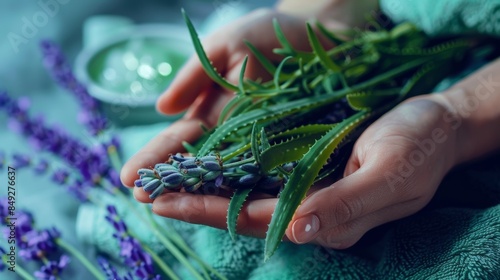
(332, 37)
(282, 38)
(254, 143)
(277, 74)
(241, 84)
(233, 211)
(288, 151)
(284, 109)
(223, 114)
(318, 49)
(266, 63)
(302, 178)
(202, 55)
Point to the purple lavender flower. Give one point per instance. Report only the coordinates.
(53, 269)
(92, 163)
(79, 189)
(130, 249)
(41, 167)
(4, 99)
(56, 63)
(20, 161)
(110, 271)
(60, 176)
(36, 244)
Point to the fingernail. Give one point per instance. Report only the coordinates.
(304, 229)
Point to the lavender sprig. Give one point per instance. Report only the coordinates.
(55, 61)
(130, 249)
(191, 173)
(110, 271)
(52, 269)
(91, 162)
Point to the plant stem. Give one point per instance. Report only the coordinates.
(238, 163)
(170, 247)
(164, 267)
(19, 270)
(177, 239)
(77, 254)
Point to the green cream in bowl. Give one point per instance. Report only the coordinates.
(129, 70)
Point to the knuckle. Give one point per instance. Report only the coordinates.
(192, 208)
(345, 209)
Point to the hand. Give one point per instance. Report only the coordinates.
(192, 89)
(394, 170)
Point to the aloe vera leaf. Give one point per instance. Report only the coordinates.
(273, 92)
(255, 143)
(261, 115)
(264, 141)
(290, 150)
(281, 37)
(301, 130)
(303, 177)
(277, 74)
(318, 49)
(332, 37)
(235, 204)
(241, 84)
(369, 100)
(266, 63)
(202, 55)
(229, 106)
(426, 78)
(284, 109)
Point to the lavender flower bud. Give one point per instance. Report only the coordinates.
(211, 166)
(144, 181)
(172, 180)
(180, 158)
(208, 159)
(143, 172)
(168, 172)
(157, 192)
(164, 167)
(250, 168)
(211, 175)
(190, 182)
(152, 185)
(190, 163)
(249, 179)
(194, 172)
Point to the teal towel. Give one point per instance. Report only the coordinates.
(457, 236)
(437, 17)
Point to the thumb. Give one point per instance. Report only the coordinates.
(337, 208)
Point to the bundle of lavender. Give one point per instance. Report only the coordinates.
(283, 135)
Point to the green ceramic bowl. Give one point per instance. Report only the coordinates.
(128, 71)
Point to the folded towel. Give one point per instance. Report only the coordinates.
(457, 236)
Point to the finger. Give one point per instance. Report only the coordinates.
(363, 192)
(207, 107)
(159, 148)
(347, 234)
(211, 210)
(190, 81)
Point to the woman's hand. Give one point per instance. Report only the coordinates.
(194, 91)
(394, 170)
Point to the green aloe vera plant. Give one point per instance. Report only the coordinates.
(282, 136)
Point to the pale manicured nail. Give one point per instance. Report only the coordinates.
(304, 229)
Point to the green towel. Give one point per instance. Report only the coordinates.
(457, 236)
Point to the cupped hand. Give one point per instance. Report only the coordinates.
(193, 90)
(394, 170)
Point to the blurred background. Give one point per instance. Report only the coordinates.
(23, 24)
